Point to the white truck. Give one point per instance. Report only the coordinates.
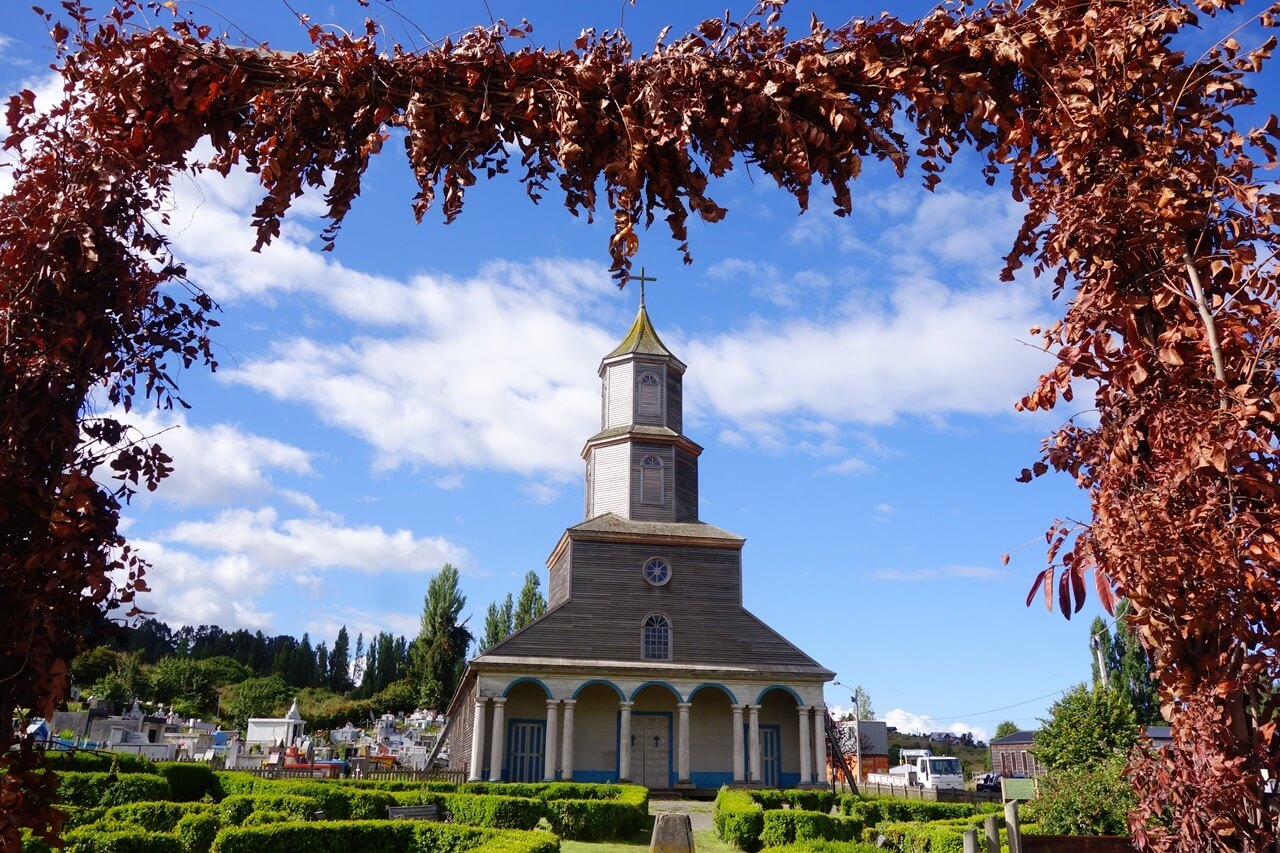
(921, 769)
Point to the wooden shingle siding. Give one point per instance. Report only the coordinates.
(611, 599)
(560, 582)
(620, 387)
(675, 402)
(459, 742)
(611, 479)
(646, 511)
(686, 486)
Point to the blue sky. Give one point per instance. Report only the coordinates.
(421, 395)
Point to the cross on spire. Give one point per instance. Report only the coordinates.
(642, 278)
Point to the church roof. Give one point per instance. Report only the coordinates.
(612, 523)
(641, 339)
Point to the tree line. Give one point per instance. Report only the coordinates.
(208, 672)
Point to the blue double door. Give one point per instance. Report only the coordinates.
(770, 753)
(526, 750)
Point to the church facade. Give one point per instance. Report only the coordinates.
(646, 668)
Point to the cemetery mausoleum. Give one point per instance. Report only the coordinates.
(646, 667)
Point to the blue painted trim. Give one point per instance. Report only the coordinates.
(506, 752)
(783, 687)
(727, 691)
(528, 679)
(710, 780)
(746, 747)
(636, 692)
(616, 689)
(672, 771)
(789, 780)
(598, 777)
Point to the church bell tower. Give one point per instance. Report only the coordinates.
(640, 466)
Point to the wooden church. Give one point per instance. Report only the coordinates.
(646, 667)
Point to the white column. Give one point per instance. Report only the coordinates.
(682, 760)
(549, 767)
(566, 755)
(820, 743)
(624, 741)
(477, 741)
(806, 747)
(738, 775)
(497, 736)
(753, 718)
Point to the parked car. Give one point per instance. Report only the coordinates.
(988, 782)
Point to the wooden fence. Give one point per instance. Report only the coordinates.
(397, 775)
(949, 796)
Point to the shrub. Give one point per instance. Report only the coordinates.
(786, 826)
(32, 844)
(549, 790)
(875, 810)
(107, 789)
(738, 819)
(1086, 801)
(233, 782)
(813, 801)
(380, 837)
(196, 831)
(494, 811)
(236, 808)
(189, 780)
(155, 817)
(83, 761)
(817, 846)
(399, 785)
(598, 819)
(119, 838)
(80, 816)
(265, 816)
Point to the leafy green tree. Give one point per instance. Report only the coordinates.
(498, 624)
(1005, 729)
(339, 675)
(531, 604)
(185, 682)
(1128, 667)
(256, 697)
(398, 696)
(358, 660)
(223, 670)
(1085, 727)
(93, 665)
(440, 651)
(1089, 800)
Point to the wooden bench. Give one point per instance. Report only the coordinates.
(318, 814)
(413, 812)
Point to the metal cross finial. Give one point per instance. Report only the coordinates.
(642, 278)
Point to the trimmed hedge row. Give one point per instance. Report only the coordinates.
(879, 809)
(817, 846)
(99, 762)
(156, 817)
(810, 801)
(598, 819)
(107, 789)
(381, 837)
(189, 780)
(788, 826)
(738, 818)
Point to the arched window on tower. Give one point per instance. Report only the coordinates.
(649, 400)
(655, 642)
(651, 482)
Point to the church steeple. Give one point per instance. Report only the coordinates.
(640, 466)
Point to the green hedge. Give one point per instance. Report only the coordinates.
(196, 831)
(107, 789)
(233, 782)
(549, 790)
(189, 780)
(787, 826)
(492, 811)
(236, 808)
(738, 819)
(107, 837)
(156, 817)
(811, 801)
(81, 815)
(99, 762)
(827, 847)
(397, 785)
(380, 837)
(873, 810)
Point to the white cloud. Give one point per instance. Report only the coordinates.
(325, 625)
(851, 465)
(907, 722)
(215, 464)
(313, 544)
(885, 509)
(187, 589)
(767, 281)
(450, 482)
(982, 573)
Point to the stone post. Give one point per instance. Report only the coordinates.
(624, 741)
(549, 748)
(806, 747)
(477, 741)
(566, 735)
(739, 775)
(497, 737)
(753, 734)
(682, 765)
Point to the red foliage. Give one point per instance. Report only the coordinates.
(1143, 205)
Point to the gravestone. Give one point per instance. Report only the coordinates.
(672, 833)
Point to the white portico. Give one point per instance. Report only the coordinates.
(645, 667)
